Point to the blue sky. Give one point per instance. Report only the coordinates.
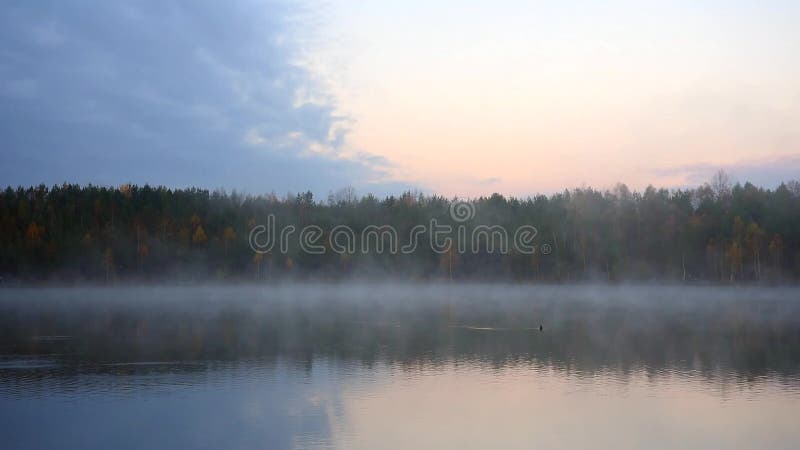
(461, 98)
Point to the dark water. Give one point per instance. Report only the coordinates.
(394, 366)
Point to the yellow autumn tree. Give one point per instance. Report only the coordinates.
(735, 258)
(34, 233)
(199, 237)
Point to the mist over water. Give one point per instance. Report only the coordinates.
(398, 366)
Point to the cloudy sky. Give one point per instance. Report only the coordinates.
(464, 98)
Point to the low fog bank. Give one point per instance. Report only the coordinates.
(388, 292)
(740, 332)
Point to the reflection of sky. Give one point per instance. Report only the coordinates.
(454, 405)
(537, 407)
(510, 96)
(243, 405)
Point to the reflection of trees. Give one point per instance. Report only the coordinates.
(746, 339)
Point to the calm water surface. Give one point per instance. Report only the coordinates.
(399, 366)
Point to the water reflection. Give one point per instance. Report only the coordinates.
(394, 367)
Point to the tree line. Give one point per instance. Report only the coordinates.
(719, 232)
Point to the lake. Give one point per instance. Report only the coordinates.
(396, 366)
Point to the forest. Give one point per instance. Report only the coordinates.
(720, 232)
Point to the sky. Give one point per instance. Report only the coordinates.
(449, 97)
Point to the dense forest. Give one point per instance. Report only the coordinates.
(719, 232)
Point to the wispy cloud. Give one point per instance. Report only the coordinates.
(768, 172)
